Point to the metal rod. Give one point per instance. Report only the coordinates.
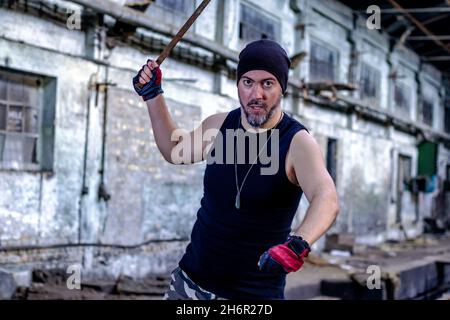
(437, 58)
(414, 10)
(182, 31)
(139, 19)
(426, 38)
(420, 25)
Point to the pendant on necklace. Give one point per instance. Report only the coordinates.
(237, 203)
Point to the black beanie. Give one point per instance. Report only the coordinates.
(265, 55)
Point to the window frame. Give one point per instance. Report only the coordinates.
(276, 22)
(43, 146)
(446, 124)
(363, 96)
(174, 11)
(164, 14)
(407, 91)
(332, 158)
(336, 54)
(430, 101)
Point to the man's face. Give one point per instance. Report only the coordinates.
(260, 94)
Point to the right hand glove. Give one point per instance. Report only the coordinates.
(286, 257)
(147, 82)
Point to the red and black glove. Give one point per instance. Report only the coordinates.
(150, 85)
(286, 257)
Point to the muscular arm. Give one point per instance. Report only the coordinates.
(317, 185)
(178, 146)
(163, 125)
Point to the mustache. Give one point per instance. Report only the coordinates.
(257, 103)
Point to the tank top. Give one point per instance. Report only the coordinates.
(226, 242)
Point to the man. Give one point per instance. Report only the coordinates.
(241, 247)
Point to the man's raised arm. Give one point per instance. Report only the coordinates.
(189, 145)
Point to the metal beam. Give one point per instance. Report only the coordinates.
(139, 19)
(437, 58)
(420, 26)
(414, 10)
(435, 18)
(400, 22)
(428, 38)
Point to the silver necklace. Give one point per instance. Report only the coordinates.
(237, 202)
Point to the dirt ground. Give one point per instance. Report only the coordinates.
(390, 257)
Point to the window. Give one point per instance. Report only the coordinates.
(255, 25)
(323, 62)
(332, 158)
(427, 111)
(21, 122)
(403, 179)
(172, 12)
(447, 118)
(369, 83)
(177, 6)
(401, 99)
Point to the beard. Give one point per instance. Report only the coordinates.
(260, 118)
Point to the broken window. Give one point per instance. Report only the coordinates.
(322, 64)
(21, 102)
(332, 158)
(255, 25)
(369, 83)
(427, 111)
(402, 98)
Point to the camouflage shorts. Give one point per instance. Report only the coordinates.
(183, 288)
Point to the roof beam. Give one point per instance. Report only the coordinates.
(437, 58)
(428, 38)
(420, 25)
(435, 18)
(417, 10)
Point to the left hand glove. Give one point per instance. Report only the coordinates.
(151, 88)
(286, 257)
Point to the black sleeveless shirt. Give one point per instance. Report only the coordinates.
(226, 242)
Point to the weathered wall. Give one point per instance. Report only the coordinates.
(150, 198)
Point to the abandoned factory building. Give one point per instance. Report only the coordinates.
(82, 180)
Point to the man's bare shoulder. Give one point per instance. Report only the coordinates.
(215, 121)
(302, 142)
(304, 149)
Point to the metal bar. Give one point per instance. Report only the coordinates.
(437, 58)
(414, 10)
(427, 38)
(435, 18)
(420, 25)
(93, 244)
